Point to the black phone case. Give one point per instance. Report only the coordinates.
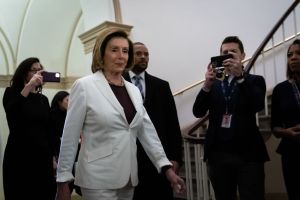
(51, 76)
(217, 61)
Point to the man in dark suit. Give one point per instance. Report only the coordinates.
(234, 148)
(160, 105)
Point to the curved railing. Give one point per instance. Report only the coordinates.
(251, 61)
(198, 186)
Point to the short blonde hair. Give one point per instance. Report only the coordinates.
(100, 46)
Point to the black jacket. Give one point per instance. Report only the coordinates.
(247, 99)
(160, 105)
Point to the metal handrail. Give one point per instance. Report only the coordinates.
(250, 61)
(194, 137)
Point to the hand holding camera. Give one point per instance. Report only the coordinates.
(218, 65)
(36, 80)
(210, 76)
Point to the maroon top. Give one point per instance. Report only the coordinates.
(124, 99)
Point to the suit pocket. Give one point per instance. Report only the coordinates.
(101, 152)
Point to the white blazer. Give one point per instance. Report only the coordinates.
(107, 159)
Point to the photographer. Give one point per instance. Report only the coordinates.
(28, 164)
(234, 148)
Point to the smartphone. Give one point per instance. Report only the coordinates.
(217, 61)
(51, 76)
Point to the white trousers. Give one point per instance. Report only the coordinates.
(125, 193)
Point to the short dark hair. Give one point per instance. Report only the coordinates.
(101, 44)
(289, 73)
(21, 73)
(233, 39)
(138, 43)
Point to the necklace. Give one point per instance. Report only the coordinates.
(114, 83)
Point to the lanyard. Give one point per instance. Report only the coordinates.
(228, 91)
(296, 93)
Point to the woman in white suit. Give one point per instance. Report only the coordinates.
(109, 112)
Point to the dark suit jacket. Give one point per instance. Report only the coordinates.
(160, 105)
(247, 99)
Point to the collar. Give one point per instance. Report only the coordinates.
(229, 78)
(132, 74)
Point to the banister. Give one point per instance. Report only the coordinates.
(270, 35)
(248, 67)
(252, 60)
(187, 88)
(198, 125)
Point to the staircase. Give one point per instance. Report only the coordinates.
(267, 61)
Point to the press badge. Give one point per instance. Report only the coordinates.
(226, 121)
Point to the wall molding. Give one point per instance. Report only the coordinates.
(88, 38)
(64, 84)
(4, 80)
(118, 13)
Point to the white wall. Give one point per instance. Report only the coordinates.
(95, 12)
(181, 36)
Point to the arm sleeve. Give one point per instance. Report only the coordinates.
(201, 104)
(253, 91)
(151, 143)
(73, 126)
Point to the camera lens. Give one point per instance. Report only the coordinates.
(219, 74)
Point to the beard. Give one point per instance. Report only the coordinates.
(139, 68)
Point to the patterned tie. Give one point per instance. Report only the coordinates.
(137, 83)
(226, 85)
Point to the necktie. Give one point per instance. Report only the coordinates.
(226, 85)
(137, 83)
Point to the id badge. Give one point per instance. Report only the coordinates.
(226, 121)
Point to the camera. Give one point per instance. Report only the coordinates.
(217, 64)
(51, 76)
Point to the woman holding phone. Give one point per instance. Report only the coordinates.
(29, 153)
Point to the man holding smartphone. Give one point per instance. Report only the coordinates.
(234, 148)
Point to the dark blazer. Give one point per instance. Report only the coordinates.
(285, 113)
(160, 105)
(247, 99)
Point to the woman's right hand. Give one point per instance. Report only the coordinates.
(36, 80)
(63, 191)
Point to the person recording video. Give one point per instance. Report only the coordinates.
(234, 148)
(28, 165)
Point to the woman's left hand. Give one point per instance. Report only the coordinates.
(177, 183)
